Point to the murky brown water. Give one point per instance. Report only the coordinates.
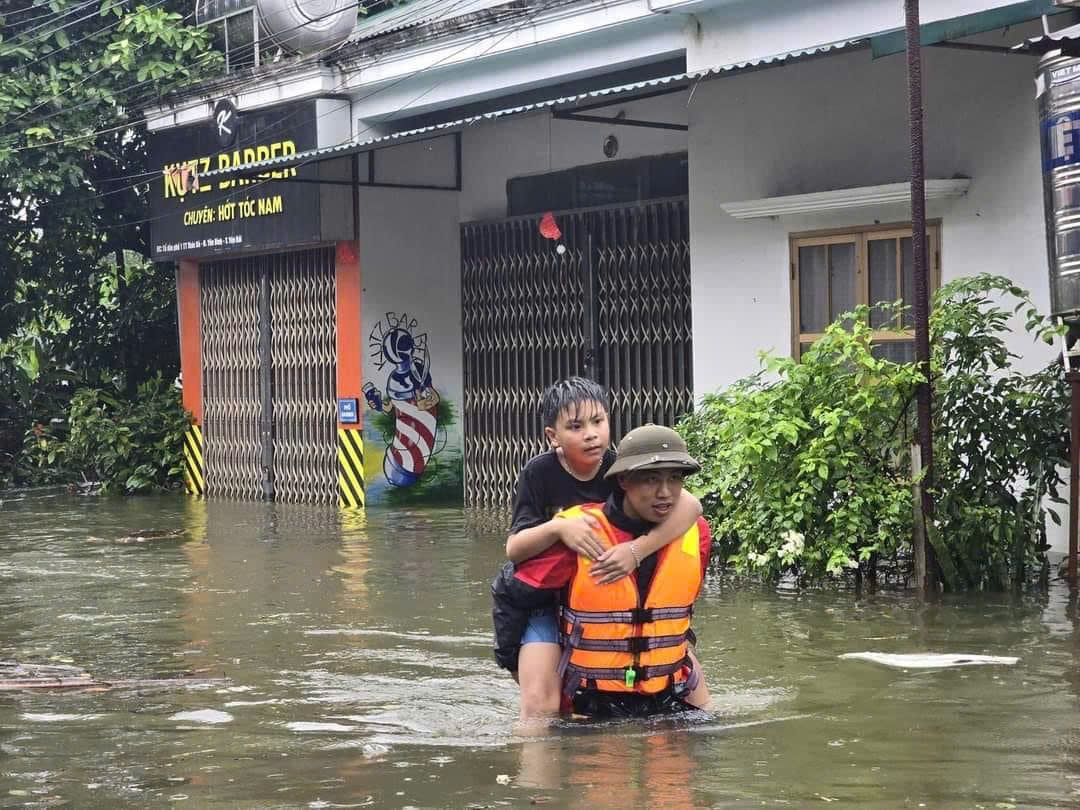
(360, 675)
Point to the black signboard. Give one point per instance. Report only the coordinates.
(196, 217)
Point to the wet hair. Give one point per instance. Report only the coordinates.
(571, 393)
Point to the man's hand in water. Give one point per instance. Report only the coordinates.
(577, 535)
(613, 564)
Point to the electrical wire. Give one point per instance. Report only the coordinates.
(73, 43)
(141, 121)
(262, 76)
(258, 183)
(55, 15)
(25, 20)
(81, 82)
(250, 187)
(54, 31)
(140, 178)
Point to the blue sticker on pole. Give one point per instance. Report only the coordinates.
(1061, 140)
(347, 411)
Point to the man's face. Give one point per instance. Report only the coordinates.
(583, 433)
(651, 494)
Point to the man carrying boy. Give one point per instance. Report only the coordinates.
(574, 472)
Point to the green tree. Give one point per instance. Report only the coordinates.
(78, 302)
(1001, 437)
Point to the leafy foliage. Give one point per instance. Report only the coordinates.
(79, 305)
(800, 472)
(807, 465)
(124, 445)
(1001, 437)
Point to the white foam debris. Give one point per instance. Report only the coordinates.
(302, 726)
(930, 660)
(206, 716)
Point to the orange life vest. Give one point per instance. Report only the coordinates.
(617, 640)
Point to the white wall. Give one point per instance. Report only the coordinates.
(410, 264)
(842, 122)
(754, 29)
(494, 152)
(409, 239)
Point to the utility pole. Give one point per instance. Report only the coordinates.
(927, 577)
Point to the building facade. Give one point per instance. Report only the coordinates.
(723, 178)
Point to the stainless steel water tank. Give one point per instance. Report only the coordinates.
(298, 26)
(1058, 88)
(306, 26)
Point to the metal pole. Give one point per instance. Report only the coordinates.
(589, 366)
(266, 383)
(921, 304)
(1074, 475)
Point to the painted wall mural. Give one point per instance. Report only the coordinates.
(409, 415)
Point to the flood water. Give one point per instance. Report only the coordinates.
(360, 675)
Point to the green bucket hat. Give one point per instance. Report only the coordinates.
(652, 447)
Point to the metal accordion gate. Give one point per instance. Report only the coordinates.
(615, 306)
(269, 366)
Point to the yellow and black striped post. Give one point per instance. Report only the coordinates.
(350, 453)
(194, 463)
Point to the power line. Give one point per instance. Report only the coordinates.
(257, 183)
(138, 100)
(82, 81)
(54, 31)
(57, 15)
(72, 44)
(141, 177)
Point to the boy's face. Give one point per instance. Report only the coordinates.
(583, 433)
(650, 495)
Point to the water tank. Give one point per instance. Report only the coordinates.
(306, 26)
(1058, 85)
(298, 26)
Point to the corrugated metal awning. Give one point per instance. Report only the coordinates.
(625, 92)
(416, 13)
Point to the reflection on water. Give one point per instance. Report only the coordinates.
(359, 674)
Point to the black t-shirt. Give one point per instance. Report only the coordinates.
(545, 488)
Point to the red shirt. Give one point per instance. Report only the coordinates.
(555, 566)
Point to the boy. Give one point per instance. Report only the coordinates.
(573, 472)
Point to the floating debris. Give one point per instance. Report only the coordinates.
(210, 717)
(930, 660)
(150, 536)
(16, 676)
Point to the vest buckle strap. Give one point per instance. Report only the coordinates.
(597, 616)
(568, 643)
(635, 644)
(659, 614)
(641, 673)
(632, 616)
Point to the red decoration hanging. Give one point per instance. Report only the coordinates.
(549, 228)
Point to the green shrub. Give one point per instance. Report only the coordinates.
(800, 465)
(1000, 437)
(122, 445)
(806, 465)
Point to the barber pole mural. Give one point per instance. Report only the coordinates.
(407, 394)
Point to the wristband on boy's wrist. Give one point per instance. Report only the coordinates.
(634, 552)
